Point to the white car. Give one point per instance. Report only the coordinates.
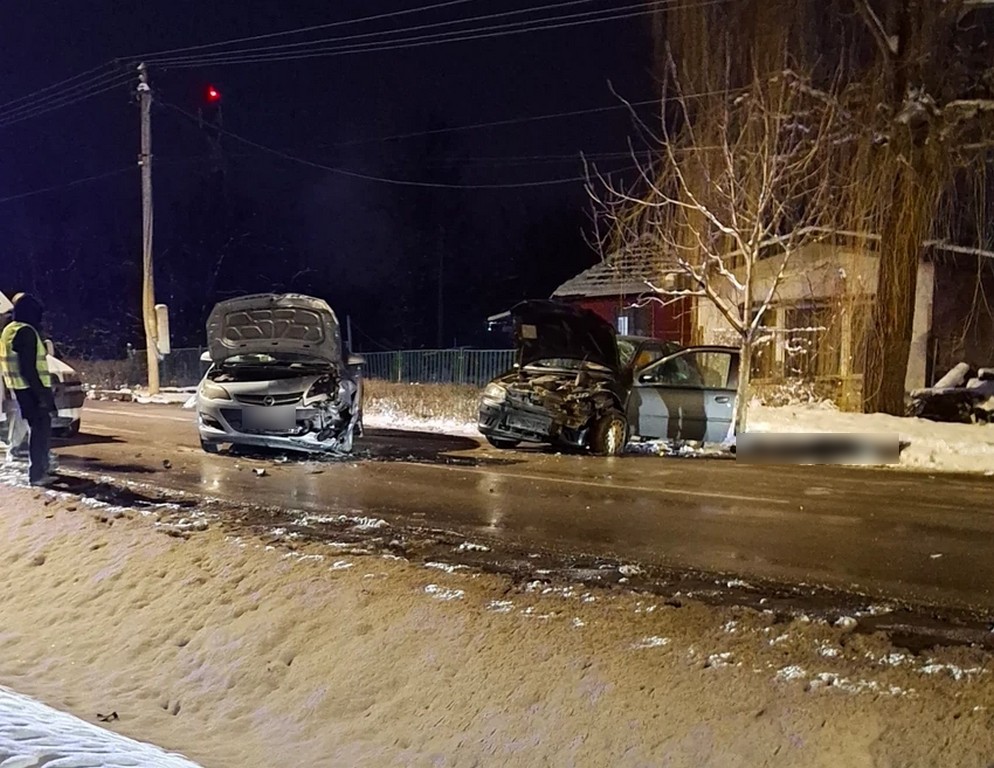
(67, 387)
(278, 377)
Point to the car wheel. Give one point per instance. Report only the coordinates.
(502, 443)
(210, 447)
(609, 434)
(65, 432)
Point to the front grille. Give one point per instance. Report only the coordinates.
(289, 399)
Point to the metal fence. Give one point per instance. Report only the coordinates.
(475, 367)
(180, 368)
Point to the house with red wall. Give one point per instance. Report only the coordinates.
(624, 289)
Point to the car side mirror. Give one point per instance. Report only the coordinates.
(205, 357)
(49, 347)
(356, 360)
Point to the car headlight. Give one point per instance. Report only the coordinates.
(495, 393)
(213, 391)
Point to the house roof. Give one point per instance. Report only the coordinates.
(626, 272)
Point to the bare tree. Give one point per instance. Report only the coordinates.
(729, 187)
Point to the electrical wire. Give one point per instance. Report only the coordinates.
(302, 30)
(499, 123)
(378, 179)
(539, 25)
(48, 105)
(389, 32)
(68, 185)
(53, 86)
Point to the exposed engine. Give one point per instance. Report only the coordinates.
(572, 401)
(334, 399)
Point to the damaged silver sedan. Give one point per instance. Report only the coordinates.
(279, 377)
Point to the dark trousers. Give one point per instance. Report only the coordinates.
(39, 419)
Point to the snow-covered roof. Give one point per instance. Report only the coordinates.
(624, 273)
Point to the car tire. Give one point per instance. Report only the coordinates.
(501, 443)
(210, 447)
(609, 434)
(65, 432)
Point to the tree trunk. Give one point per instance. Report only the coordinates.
(888, 345)
(742, 393)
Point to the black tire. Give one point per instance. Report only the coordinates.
(503, 443)
(210, 447)
(66, 432)
(609, 434)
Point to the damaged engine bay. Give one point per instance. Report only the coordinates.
(573, 401)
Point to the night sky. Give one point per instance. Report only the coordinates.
(232, 218)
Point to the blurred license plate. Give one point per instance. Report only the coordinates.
(277, 418)
(528, 424)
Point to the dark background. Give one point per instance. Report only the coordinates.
(233, 219)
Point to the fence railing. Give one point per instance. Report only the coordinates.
(474, 367)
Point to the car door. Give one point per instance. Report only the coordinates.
(689, 395)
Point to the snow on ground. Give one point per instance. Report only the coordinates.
(388, 418)
(935, 446)
(184, 396)
(32, 734)
(232, 652)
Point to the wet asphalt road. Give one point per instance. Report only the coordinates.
(921, 538)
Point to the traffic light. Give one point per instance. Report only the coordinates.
(213, 95)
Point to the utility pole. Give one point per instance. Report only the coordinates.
(148, 281)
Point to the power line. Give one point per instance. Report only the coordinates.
(59, 84)
(420, 42)
(389, 32)
(378, 179)
(499, 123)
(302, 30)
(68, 185)
(44, 106)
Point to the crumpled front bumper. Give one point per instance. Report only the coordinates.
(219, 422)
(512, 422)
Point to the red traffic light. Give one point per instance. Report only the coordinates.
(213, 94)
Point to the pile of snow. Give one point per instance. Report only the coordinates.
(934, 445)
(33, 734)
(389, 418)
(166, 395)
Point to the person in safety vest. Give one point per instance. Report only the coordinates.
(24, 365)
(16, 428)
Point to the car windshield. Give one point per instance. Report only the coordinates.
(565, 363)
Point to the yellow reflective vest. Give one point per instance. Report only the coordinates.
(10, 362)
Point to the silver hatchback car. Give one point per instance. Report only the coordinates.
(278, 377)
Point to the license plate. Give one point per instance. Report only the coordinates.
(277, 418)
(538, 425)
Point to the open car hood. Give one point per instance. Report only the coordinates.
(285, 326)
(550, 329)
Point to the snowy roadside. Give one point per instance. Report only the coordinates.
(245, 650)
(32, 734)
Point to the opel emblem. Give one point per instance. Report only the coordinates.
(268, 401)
